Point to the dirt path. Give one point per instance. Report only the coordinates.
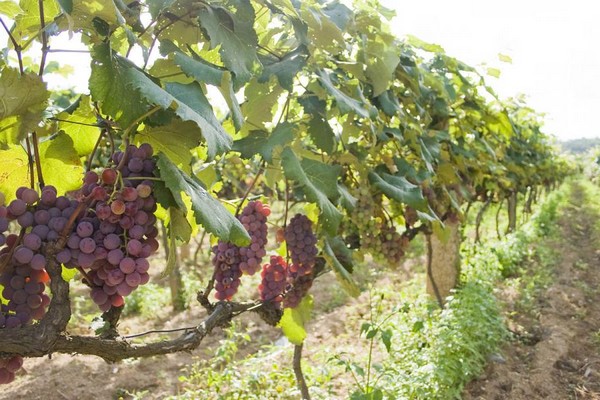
(558, 357)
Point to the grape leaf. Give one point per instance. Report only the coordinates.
(234, 33)
(27, 23)
(14, 171)
(61, 165)
(334, 253)
(321, 133)
(263, 143)
(381, 68)
(286, 68)
(317, 186)
(10, 9)
(201, 70)
(114, 77)
(399, 189)
(344, 102)
(175, 140)
(24, 98)
(208, 211)
(294, 320)
(158, 6)
(84, 136)
(204, 71)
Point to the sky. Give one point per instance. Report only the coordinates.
(554, 46)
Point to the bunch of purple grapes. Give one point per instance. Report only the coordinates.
(274, 280)
(8, 367)
(113, 242)
(254, 218)
(231, 261)
(226, 261)
(298, 288)
(301, 244)
(23, 264)
(24, 276)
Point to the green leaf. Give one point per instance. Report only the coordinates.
(399, 189)
(228, 93)
(263, 143)
(344, 102)
(158, 6)
(421, 44)
(68, 273)
(315, 191)
(286, 68)
(323, 33)
(113, 77)
(10, 9)
(504, 58)
(208, 211)
(322, 134)
(197, 68)
(24, 98)
(76, 125)
(316, 187)
(204, 71)
(380, 69)
(495, 72)
(386, 338)
(61, 165)
(294, 320)
(178, 230)
(323, 176)
(14, 172)
(261, 99)
(66, 5)
(175, 140)
(342, 272)
(234, 33)
(27, 23)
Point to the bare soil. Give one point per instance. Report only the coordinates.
(555, 353)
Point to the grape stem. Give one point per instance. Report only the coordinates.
(436, 291)
(62, 240)
(91, 157)
(47, 337)
(38, 163)
(298, 372)
(258, 174)
(17, 46)
(30, 163)
(44, 37)
(6, 261)
(86, 276)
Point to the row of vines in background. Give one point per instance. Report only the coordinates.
(207, 114)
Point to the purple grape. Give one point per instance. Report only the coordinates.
(87, 245)
(32, 241)
(112, 241)
(23, 255)
(26, 219)
(133, 279)
(29, 196)
(115, 256)
(48, 196)
(85, 229)
(38, 262)
(17, 207)
(127, 265)
(41, 217)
